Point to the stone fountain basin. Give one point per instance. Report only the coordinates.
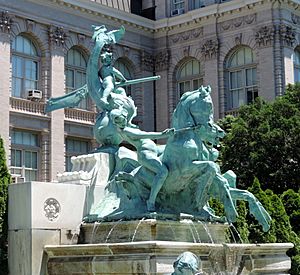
(157, 257)
(185, 230)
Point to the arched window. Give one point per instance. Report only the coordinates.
(124, 69)
(75, 73)
(297, 66)
(25, 66)
(242, 80)
(189, 77)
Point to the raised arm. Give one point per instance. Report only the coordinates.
(134, 133)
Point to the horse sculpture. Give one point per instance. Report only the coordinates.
(193, 176)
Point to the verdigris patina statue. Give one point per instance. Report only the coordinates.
(187, 263)
(179, 177)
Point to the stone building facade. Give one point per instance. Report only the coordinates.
(243, 49)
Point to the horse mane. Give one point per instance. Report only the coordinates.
(182, 116)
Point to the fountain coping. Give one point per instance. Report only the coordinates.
(174, 248)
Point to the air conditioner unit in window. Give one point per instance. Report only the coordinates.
(34, 95)
(177, 12)
(17, 178)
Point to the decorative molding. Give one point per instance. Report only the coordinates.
(126, 51)
(287, 35)
(238, 39)
(81, 38)
(5, 22)
(237, 22)
(186, 51)
(51, 209)
(147, 61)
(264, 37)
(295, 19)
(30, 25)
(162, 60)
(57, 36)
(210, 49)
(185, 36)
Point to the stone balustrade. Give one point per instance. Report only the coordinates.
(27, 106)
(82, 116)
(232, 112)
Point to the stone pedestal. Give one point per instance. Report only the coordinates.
(157, 257)
(39, 214)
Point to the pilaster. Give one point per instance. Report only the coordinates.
(5, 77)
(266, 39)
(45, 156)
(210, 50)
(146, 92)
(161, 90)
(288, 37)
(57, 141)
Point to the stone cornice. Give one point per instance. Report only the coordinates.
(160, 27)
(96, 9)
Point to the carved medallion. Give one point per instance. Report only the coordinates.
(52, 209)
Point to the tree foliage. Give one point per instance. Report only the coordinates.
(4, 181)
(263, 142)
(262, 147)
(291, 202)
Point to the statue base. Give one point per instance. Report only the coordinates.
(185, 230)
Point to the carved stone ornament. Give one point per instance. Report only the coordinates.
(295, 19)
(161, 60)
(264, 36)
(5, 22)
(186, 36)
(51, 209)
(126, 50)
(210, 49)
(237, 22)
(238, 39)
(57, 36)
(30, 25)
(186, 51)
(81, 38)
(147, 61)
(288, 35)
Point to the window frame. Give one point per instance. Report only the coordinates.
(244, 88)
(85, 104)
(296, 65)
(25, 148)
(25, 57)
(128, 89)
(188, 78)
